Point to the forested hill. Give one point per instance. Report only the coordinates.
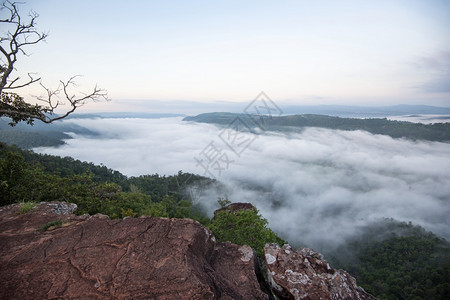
(40, 134)
(396, 129)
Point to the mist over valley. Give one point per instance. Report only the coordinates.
(317, 187)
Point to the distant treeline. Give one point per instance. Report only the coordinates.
(396, 129)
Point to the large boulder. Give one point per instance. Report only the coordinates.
(304, 274)
(50, 253)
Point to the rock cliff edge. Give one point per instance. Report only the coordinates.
(50, 253)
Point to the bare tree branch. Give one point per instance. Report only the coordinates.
(52, 99)
(31, 80)
(19, 35)
(23, 34)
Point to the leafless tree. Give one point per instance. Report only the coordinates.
(22, 33)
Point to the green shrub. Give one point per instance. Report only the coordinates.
(244, 227)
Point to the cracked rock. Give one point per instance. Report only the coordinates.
(134, 258)
(304, 274)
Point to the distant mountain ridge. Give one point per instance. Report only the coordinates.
(287, 108)
(136, 115)
(366, 111)
(153, 108)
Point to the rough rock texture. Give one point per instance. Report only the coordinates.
(86, 257)
(303, 274)
(93, 257)
(234, 207)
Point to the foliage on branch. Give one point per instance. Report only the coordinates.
(14, 107)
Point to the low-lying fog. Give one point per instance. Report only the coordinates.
(325, 183)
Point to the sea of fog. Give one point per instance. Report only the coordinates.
(424, 119)
(316, 187)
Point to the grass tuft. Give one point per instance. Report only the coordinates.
(26, 207)
(51, 225)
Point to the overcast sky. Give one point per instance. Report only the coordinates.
(306, 52)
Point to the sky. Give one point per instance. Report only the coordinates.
(328, 184)
(298, 52)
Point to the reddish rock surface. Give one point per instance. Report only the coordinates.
(93, 257)
(87, 257)
(303, 274)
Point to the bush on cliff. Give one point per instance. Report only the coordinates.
(243, 227)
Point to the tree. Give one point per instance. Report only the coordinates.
(18, 36)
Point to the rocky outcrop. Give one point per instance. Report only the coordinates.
(235, 207)
(50, 253)
(304, 274)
